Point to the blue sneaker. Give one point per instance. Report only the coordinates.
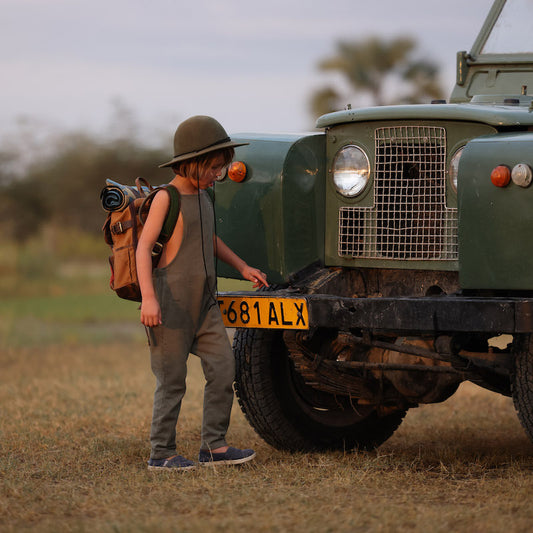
(176, 463)
(233, 456)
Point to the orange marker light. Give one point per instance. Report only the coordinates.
(237, 171)
(501, 176)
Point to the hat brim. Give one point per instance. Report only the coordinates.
(190, 155)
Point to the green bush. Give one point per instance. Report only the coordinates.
(63, 187)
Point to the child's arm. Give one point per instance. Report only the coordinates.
(226, 254)
(150, 310)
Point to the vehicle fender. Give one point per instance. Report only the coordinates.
(495, 223)
(274, 219)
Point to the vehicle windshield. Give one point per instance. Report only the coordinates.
(511, 33)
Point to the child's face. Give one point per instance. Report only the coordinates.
(212, 171)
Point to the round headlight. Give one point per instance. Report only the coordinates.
(454, 167)
(351, 171)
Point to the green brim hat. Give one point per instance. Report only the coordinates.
(199, 135)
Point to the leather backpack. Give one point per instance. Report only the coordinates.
(127, 211)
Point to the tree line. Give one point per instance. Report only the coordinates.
(63, 186)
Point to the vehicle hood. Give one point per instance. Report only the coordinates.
(494, 115)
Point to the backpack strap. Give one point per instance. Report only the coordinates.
(172, 214)
(140, 183)
(170, 220)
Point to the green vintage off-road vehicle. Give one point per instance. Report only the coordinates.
(400, 241)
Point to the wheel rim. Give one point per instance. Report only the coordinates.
(321, 407)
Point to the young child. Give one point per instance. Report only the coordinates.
(179, 299)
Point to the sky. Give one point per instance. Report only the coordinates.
(76, 64)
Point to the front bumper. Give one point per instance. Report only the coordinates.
(427, 315)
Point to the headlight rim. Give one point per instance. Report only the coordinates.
(458, 153)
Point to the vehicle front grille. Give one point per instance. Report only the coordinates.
(409, 219)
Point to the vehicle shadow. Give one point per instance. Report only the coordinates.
(474, 427)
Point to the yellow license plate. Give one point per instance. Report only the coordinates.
(273, 313)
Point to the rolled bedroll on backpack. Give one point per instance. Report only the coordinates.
(115, 196)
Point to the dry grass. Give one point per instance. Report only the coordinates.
(74, 427)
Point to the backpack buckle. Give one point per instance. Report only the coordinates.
(117, 228)
(157, 249)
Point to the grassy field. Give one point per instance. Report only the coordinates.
(75, 407)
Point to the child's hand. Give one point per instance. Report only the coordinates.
(255, 275)
(150, 312)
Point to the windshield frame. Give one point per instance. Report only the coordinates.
(478, 56)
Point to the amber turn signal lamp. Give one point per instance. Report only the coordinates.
(237, 171)
(501, 176)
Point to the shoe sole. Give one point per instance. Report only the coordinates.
(228, 461)
(171, 468)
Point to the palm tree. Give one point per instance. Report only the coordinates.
(368, 65)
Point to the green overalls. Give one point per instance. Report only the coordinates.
(192, 323)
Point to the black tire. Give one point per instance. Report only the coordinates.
(522, 384)
(290, 415)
